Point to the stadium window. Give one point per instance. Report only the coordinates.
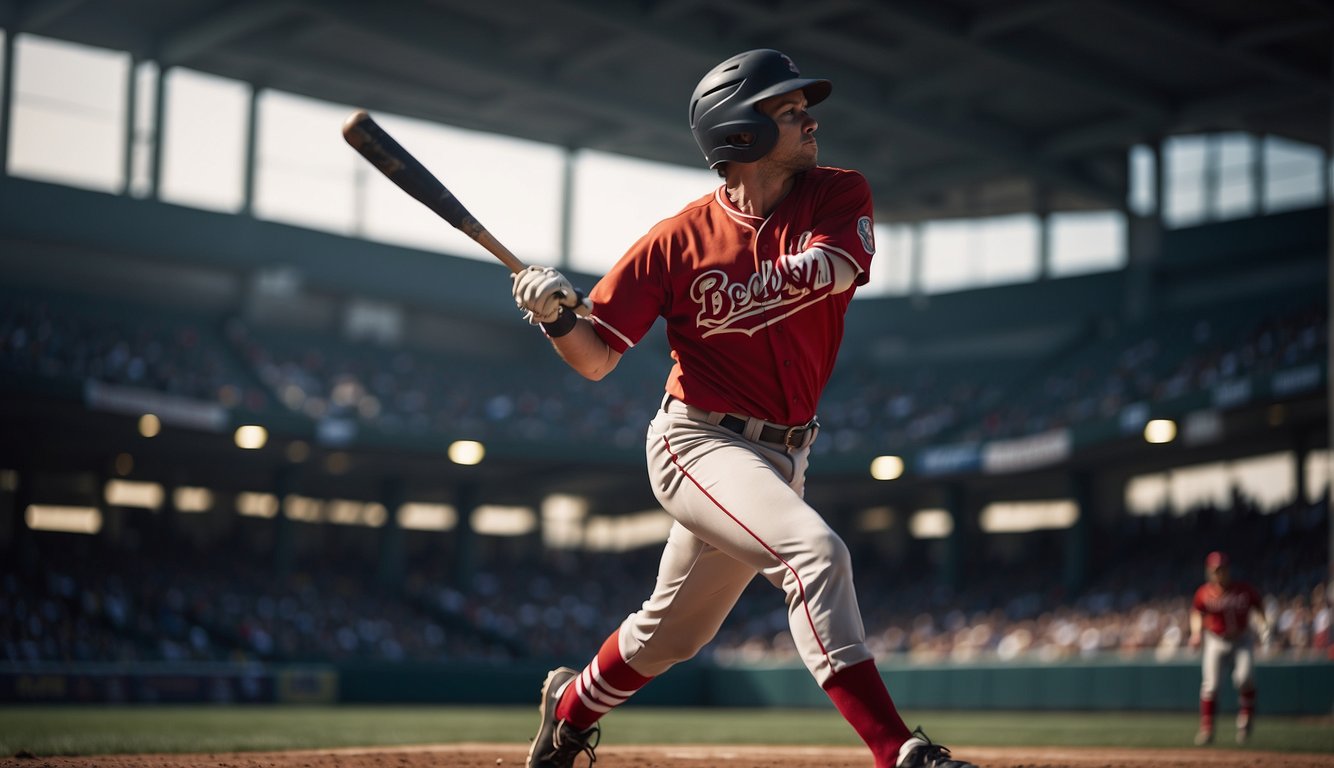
(1009, 246)
(1268, 481)
(522, 212)
(1086, 242)
(300, 179)
(1291, 175)
(204, 146)
(1184, 163)
(68, 113)
(950, 256)
(891, 270)
(979, 252)
(1143, 195)
(616, 199)
(1234, 191)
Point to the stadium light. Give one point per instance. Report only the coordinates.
(1159, 431)
(251, 437)
(887, 467)
(65, 519)
(466, 452)
(150, 425)
(497, 520)
(127, 493)
(931, 524)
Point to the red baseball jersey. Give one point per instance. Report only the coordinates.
(752, 319)
(1226, 610)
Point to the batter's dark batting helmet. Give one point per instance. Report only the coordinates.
(723, 105)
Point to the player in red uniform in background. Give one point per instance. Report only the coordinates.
(1220, 620)
(752, 281)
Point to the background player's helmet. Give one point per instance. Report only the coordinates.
(1216, 560)
(723, 104)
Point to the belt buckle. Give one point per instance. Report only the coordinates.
(787, 437)
(799, 431)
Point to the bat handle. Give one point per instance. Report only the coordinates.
(498, 249)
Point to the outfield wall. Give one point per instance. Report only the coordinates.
(1285, 687)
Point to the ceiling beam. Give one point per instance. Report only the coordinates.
(36, 15)
(1201, 114)
(994, 22)
(868, 94)
(412, 25)
(231, 22)
(1188, 31)
(1064, 70)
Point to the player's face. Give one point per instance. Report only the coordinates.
(796, 149)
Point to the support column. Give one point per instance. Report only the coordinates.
(6, 99)
(567, 211)
(131, 107)
(955, 551)
(159, 131)
(1042, 208)
(284, 539)
(1144, 237)
(251, 140)
(465, 544)
(392, 566)
(1076, 551)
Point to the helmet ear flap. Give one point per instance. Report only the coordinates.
(742, 141)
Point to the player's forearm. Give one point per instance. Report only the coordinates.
(584, 351)
(1196, 623)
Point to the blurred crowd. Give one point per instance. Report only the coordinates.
(398, 391)
(89, 601)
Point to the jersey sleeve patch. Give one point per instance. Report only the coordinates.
(867, 234)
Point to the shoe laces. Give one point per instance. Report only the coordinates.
(930, 752)
(571, 742)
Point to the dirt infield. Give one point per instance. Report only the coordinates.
(685, 756)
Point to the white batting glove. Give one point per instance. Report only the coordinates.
(541, 292)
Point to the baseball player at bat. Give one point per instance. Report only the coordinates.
(1220, 621)
(753, 281)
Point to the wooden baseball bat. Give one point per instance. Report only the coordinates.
(376, 145)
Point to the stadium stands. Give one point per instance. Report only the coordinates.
(87, 600)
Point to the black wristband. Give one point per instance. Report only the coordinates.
(563, 324)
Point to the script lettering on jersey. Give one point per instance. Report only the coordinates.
(781, 288)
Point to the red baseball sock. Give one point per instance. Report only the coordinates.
(1207, 707)
(862, 699)
(1246, 704)
(605, 683)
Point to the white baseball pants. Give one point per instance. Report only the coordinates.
(739, 511)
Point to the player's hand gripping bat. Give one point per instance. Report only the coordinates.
(377, 146)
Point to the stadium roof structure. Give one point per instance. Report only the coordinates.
(950, 107)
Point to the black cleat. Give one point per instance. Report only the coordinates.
(922, 753)
(558, 743)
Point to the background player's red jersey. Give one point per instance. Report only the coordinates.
(1226, 609)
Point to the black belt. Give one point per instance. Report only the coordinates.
(791, 437)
